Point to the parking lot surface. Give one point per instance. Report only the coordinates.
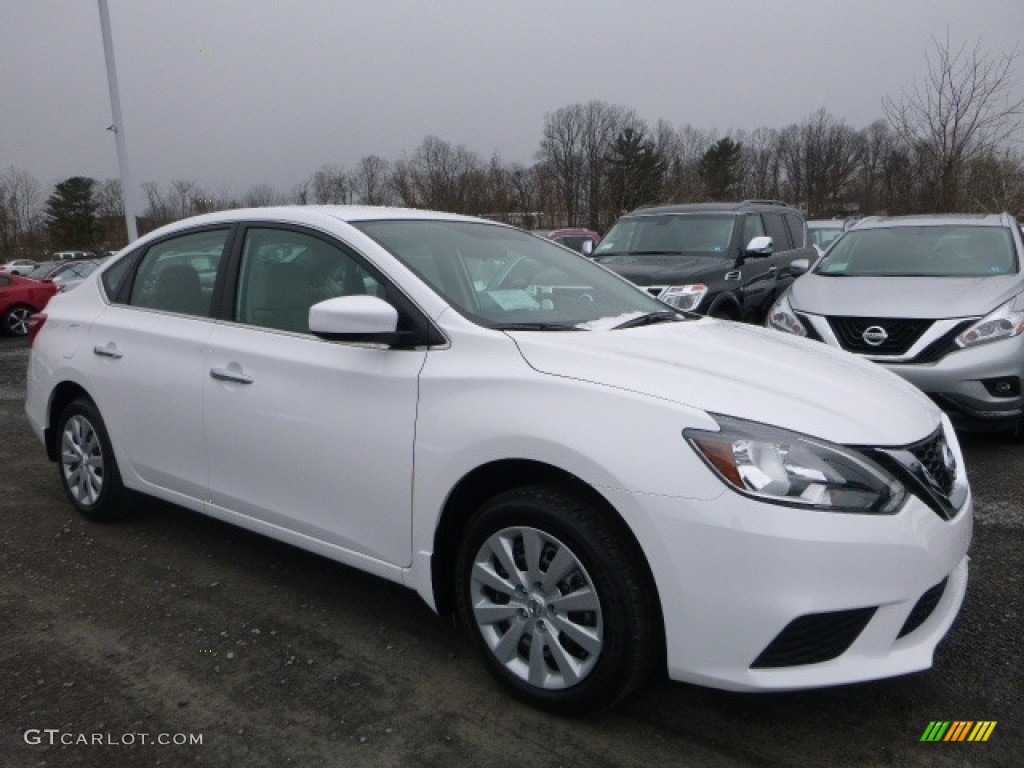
(174, 639)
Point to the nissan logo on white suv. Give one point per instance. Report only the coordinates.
(875, 335)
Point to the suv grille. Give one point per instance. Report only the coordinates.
(899, 334)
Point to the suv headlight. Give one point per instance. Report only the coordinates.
(1005, 322)
(684, 297)
(783, 467)
(781, 317)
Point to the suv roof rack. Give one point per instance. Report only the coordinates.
(767, 202)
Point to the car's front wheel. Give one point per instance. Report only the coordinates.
(88, 470)
(556, 599)
(15, 320)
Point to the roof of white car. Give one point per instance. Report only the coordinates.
(937, 219)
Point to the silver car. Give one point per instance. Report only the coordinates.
(938, 300)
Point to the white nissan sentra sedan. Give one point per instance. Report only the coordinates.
(596, 485)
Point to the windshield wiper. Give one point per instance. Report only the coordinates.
(662, 316)
(538, 327)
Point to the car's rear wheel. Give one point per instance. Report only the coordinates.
(88, 470)
(556, 600)
(15, 320)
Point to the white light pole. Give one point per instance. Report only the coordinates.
(127, 190)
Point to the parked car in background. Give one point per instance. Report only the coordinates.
(825, 231)
(19, 299)
(596, 484)
(581, 240)
(70, 274)
(73, 255)
(727, 260)
(19, 266)
(938, 300)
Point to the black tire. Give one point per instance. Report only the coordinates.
(86, 464)
(15, 321)
(607, 637)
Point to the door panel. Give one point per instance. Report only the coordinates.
(314, 436)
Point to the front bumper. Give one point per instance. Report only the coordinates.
(734, 575)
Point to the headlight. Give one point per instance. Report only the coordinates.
(789, 468)
(1003, 323)
(783, 318)
(684, 297)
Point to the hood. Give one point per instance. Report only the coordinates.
(645, 269)
(925, 298)
(743, 371)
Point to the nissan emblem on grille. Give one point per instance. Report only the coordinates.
(875, 335)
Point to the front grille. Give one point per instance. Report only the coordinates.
(929, 470)
(938, 462)
(814, 638)
(923, 608)
(900, 334)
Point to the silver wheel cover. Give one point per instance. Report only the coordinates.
(536, 608)
(81, 459)
(17, 321)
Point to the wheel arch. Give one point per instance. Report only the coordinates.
(496, 477)
(63, 393)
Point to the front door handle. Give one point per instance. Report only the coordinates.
(232, 373)
(109, 350)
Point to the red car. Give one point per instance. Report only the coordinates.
(571, 237)
(19, 298)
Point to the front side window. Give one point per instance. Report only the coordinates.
(776, 230)
(752, 227)
(923, 251)
(285, 272)
(178, 274)
(502, 277)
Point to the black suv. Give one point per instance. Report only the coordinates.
(729, 260)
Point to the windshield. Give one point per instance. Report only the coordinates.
(503, 278)
(669, 234)
(955, 250)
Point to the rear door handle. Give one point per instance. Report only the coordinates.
(109, 350)
(232, 373)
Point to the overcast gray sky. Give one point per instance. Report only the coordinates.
(232, 93)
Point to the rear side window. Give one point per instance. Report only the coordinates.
(776, 230)
(178, 274)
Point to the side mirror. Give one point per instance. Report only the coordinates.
(587, 248)
(355, 318)
(760, 246)
(799, 266)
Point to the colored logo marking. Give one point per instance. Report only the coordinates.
(959, 730)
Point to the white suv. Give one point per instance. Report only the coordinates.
(596, 484)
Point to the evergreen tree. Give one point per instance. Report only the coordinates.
(635, 171)
(71, 214)
(719, 169)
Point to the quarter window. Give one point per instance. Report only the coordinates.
(178, 275)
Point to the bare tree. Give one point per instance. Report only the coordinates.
(331, 186)
(964, 110)
(260, 196)
(438, 176)
(370, 182)
(20, 210)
